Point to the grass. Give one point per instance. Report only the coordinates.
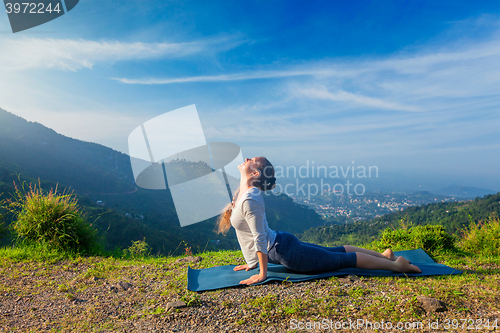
(380, 298)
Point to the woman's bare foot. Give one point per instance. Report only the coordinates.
(404, 266)
(389, 254)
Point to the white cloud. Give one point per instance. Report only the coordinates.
(422, 63)
(71, 54)
(347, 97)
(427, 80)
(220, 78)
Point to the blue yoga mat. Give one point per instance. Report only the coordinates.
(224, 276)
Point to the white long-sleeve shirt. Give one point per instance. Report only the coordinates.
(249, 220)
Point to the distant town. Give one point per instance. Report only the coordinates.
(349, 208)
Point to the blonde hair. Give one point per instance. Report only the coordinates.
(265, 182)
(224, 220)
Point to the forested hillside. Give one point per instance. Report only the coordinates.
(453, 216)
(38, 151)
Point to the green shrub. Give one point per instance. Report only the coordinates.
(51, 218)
(482, 237)
(431, 238)
(138, 249)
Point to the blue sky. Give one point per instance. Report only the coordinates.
(412, 87)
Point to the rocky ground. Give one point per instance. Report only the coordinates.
(110, 295)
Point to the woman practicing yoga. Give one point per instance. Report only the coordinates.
(261, 245)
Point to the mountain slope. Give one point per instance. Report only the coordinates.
(96, 172)
(41, 152)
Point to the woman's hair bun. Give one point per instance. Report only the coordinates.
(265, 182)
(268, 184)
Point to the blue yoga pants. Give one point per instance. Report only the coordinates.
(299, 256)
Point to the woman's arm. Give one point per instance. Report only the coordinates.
(263, 270)
(243, 267)
(254, 215)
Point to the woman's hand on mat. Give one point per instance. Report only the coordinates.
(254, 279)
(243, 267)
